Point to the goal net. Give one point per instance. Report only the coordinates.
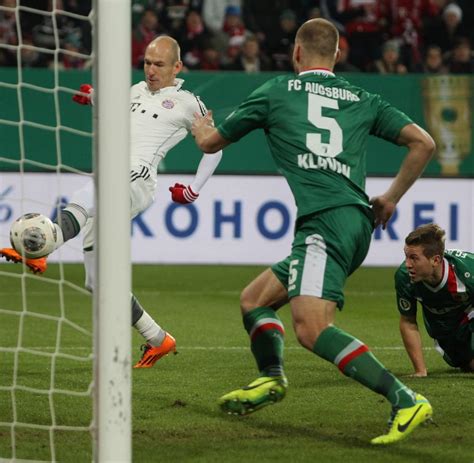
(52, 406)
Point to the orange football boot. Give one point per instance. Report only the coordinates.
(151, 354)
(35, 265)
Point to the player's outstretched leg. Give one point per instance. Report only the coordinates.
(354, 359)
(405, 420)
(35, 265)
(265, 390)
(266, 337)
(158, 342)
(69, 223)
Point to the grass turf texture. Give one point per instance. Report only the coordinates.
(325, 416)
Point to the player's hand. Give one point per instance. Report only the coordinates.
(183, 194)
(383, 209)
(201, 123)
(85, 97)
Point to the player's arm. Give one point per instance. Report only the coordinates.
(420, 150)
(206, 135)
(412, 341)
(187, 194)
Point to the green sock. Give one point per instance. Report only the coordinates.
(355, 360)
(266, 333)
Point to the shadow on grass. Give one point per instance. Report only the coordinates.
(285, 430)
(450, 373)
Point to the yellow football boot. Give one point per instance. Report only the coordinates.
(264, 391)
(405, 421)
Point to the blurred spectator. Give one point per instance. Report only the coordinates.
(172, 13)
(390, 62)
(214, 40)
(460, 60)
(405, 18)
(214, 12)
(467, 7)
(433, 62)
(82, 8)
(235, 31)
(365, 25)
(330, 10)
(250, 58)
(281, 43)
(314, 13)
(8, 33)
(343, 64)
(440, 4)
(148, 28)
(446, 29)
(29, 19)
(192, 40)
(30, 55)
(210, 58)
(71, 60)
(138, 8)
(53, 29)
(262, 17)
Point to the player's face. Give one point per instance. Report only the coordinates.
(160, 66)
(420, 267)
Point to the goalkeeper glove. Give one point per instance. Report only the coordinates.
(182, 194)
(84, 99)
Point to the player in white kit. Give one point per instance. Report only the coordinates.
(161, 115)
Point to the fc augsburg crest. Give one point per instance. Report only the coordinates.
(404, 304)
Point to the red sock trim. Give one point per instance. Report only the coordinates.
(349, 357)
(266, 327)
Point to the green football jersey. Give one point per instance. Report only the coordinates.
(317, 126)
(446, 306)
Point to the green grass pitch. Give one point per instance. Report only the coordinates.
(325, 417)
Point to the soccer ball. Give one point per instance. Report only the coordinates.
(33, 236)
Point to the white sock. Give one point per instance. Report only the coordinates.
(80, 216)
(150, 330)
(59, 236)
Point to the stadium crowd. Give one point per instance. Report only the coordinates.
(380, 36)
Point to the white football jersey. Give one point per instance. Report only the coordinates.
(159, 120)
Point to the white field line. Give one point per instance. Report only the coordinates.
(209, 348)
(191, 293)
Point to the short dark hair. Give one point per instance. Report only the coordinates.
(430, 237)
(318, 37)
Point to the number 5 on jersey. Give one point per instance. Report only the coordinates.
(316, 103)
(293, 274)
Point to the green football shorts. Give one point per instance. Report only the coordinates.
(456, 349)
(328, 246)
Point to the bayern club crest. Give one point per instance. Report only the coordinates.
(167, 104)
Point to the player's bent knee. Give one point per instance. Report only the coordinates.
(307, 334)
(247, 301)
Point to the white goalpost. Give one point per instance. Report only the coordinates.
(112, 298)
(65, 375)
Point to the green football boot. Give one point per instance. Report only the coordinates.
(405, 421)
(263, 391)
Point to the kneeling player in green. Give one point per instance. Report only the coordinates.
(442, 281)
(317, 126)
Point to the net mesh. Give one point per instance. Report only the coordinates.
(46, 359)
